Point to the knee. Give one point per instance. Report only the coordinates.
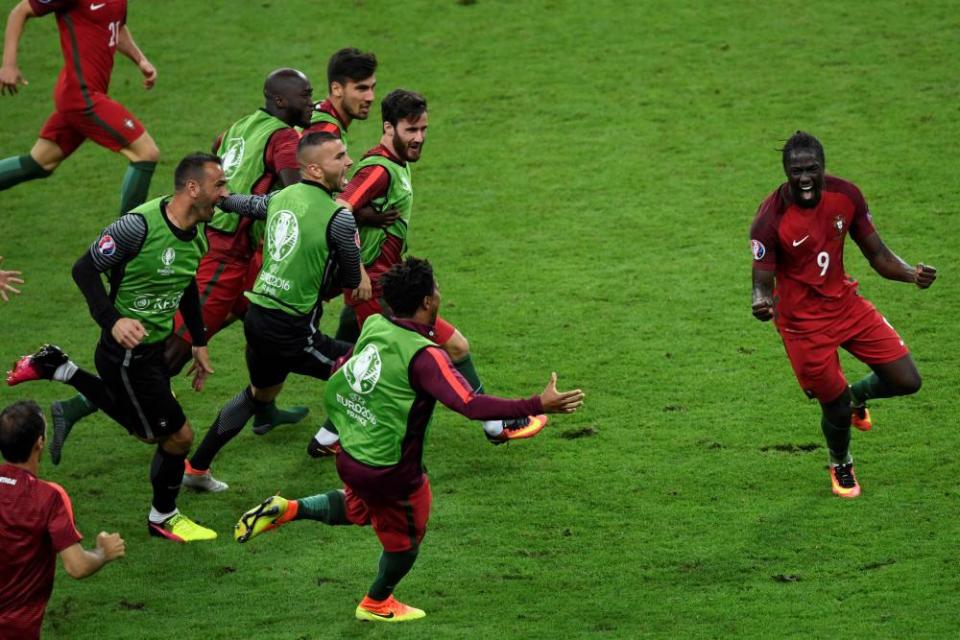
(144, 149)
(180, 442)
(457, 347)
(910, 385)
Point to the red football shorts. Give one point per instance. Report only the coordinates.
(221, 285)
(107, 122)
(862, 331)
(399, 524)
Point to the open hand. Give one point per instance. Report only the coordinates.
(200, 368)
(7, 277)
(560, 401)
(10, 77)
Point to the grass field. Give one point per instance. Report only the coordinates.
(591, 173)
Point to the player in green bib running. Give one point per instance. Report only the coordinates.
(381, 401)
(150, 257)
(383, 179)
(259, 154)
(310, 239)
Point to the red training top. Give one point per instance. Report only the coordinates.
(36, 523)
(433, 377)
(280, 154)
(805, 249)
(88, 39)
(327, 107)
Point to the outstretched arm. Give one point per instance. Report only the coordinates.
(891, 266)
(249, 206)
(10, 73)
(129, 48)
(763, 281)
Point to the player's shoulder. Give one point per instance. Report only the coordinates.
(836, 184)
(772, 206)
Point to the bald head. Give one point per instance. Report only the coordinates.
(289, 96)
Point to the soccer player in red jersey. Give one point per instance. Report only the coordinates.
(36, 524)
(90, 34)
(385, 485)
(799, 281)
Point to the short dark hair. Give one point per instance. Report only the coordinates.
(401, 104)
(20, 425)
(803, 140)
(315, 139)
(406, 284)
(350, 64)
(191, 168)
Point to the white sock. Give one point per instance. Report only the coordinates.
(493, 428)
(159, 518)
(65, 371)
(326, 437)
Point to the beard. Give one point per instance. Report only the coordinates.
(404, 151)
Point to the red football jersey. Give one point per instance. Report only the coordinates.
(36, 523)
(89, 31)
(805, 249)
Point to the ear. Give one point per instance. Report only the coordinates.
(388, 128)
(336, 89)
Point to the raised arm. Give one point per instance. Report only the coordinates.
(10, 73)
(891, 266)
(129, 48)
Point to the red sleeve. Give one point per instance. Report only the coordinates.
(763, 233)
(862, 224)
(43, 7)
(369, 183)
(63, 532)
(323, 125)
(433, 373)
(282, 150)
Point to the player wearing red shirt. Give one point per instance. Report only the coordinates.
(90, 34)
(799, 281)
(36, 524)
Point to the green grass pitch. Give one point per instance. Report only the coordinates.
(585, 193)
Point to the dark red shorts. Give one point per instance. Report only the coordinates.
(862, 331)
(221, 284)
(399, 524)
(107, 122)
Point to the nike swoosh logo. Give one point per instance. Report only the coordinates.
(385, 616)
(799, 242)
(94, 7)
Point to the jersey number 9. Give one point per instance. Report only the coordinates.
(823, 261)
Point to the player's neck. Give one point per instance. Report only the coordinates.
(339, 112)
(32, 465)
(180, 213)
(386, 141)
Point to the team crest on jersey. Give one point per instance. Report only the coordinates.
(838, 223)
(362, 371)
(232, 157)
(107, 246)
(283, 232)
(167, 257)
(758, 249)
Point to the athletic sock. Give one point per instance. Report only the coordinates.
(270, 414)
(493, 428)
(166, 474)
(870, 387)
(65, 371)
(348, 331)
(328, 434)
(468, 371)
(78, 407)
(327, 507)
(228, 423)
(838, 441)
(17, 169)
(136, 184)
(159, 518)
(93, 391)
(393, 567)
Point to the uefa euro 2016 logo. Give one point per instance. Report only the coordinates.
(282, 234)
(232, 157)
(362, 371)
(167, 257)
